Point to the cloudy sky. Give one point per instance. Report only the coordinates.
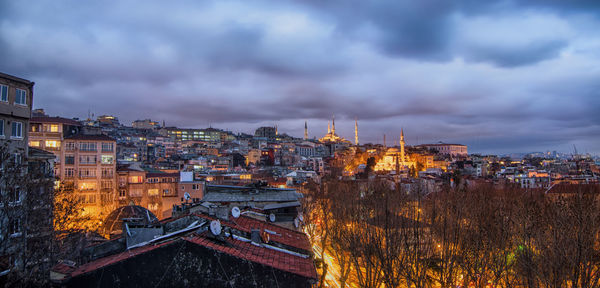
(499, 76)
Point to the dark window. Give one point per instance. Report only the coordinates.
(70, 159)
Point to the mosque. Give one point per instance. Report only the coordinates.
(395, 159)
(331, 137)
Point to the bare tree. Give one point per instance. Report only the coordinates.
(26, 218)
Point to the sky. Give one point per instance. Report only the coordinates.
(498, 76)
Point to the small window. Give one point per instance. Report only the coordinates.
(107, 159)
(152, 192)
(1, 127)
(21, 97)
(70, 159)
(17, 130)
(15, 195)
(3, 93)
(14, 226)
(107, 147)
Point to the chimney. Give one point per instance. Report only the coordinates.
(255, 236)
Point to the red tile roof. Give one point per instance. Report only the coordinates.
(284, 236)
(109, 260)
(265, 256)
(63, 268)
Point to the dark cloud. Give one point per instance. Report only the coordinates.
(497, 75)
(514, 57)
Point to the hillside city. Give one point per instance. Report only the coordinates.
(96, 202)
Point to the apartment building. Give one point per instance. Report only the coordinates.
(49, 133)
(16, 97)
(155, 191)
(89, 162)
(25, 188)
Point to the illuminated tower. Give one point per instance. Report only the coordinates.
(333, 124)
(384, 140)
(402, 145)
(305, 131)
(355, 131)
(276, 132)
(328, 127)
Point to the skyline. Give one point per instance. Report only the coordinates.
(451, 72)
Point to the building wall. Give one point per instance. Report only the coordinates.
(11, 112)
(155, 193)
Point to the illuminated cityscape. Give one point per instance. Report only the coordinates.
(300, 144)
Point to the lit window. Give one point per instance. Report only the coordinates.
(153, 206)
(21, 97)
(34, 143)
(87, 186)
(3, 93)
(52, 144)
(17, 130)
(152, 192)
(107, 159)
(135, 179)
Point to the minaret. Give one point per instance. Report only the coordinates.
(305, 131)
(333, 125)
(402, 145)
(384, 140)
(328, 127)
(355, 131)
(276, 131)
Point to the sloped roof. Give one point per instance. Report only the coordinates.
(265, 256)
(283, 235)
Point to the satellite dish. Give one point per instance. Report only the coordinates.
(215, 227)
(300, 217)
(187, 196)
(272, 217)
(296, 222)
(235, 212)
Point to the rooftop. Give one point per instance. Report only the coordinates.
(61, 120)
(95, 137)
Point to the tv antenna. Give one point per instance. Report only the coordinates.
(187, 196)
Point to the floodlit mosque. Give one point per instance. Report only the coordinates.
(395, 159)
(331, 137)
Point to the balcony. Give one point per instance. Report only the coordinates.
(108, 176)
(87, 176)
